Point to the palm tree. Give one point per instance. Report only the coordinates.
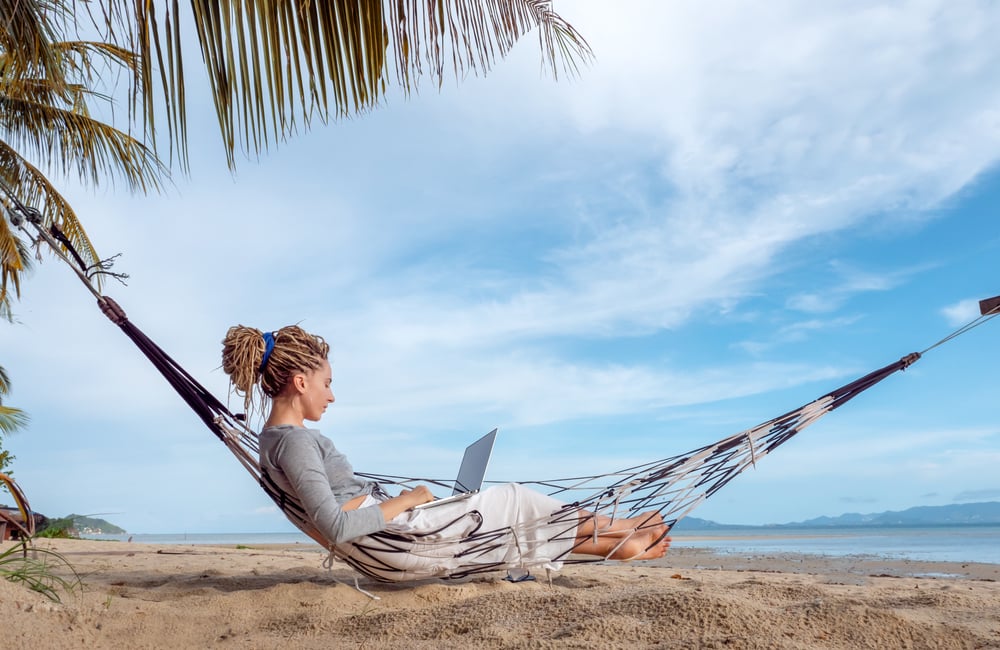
(47, 97)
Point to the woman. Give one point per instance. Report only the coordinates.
(501, 527)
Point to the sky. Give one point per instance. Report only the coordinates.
(725, 216)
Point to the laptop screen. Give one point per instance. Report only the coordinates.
(474, 462)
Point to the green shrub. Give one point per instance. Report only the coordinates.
(64, 528)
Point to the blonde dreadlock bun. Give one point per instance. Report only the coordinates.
(295, 350)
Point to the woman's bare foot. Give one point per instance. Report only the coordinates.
(642, 546)
(650, 522)
(643, 537)
(644, 523)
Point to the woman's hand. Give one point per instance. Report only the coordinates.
(418, 495)
(406, 500)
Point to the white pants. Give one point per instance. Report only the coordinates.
(502, 527)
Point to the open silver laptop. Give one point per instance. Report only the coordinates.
(472, 471)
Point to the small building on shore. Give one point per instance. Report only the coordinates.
(12, 521)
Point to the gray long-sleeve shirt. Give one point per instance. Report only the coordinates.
(304, 463)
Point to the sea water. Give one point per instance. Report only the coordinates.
(933, 544)
(929, 543)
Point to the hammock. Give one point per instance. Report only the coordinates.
(672, 486)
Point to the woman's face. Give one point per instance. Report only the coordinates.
(317, 394)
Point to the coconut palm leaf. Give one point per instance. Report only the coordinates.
(49, 119)
(11, 419)
(274, 66)
(26, 35)
(4, 383)
(33, 188)
(72, 141)
(45, 115)
(14, 262)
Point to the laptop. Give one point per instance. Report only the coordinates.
(471, 473)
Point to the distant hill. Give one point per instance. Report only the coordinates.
(84, 525)
(986, 513)
(694, 523)
(957, 514)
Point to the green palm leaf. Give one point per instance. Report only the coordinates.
(14, 262)
(47, 91)
(34, 188)
(275, 66)
(11, 419)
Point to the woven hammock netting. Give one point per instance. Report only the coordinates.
(671, 486)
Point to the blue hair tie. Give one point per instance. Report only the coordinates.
(268, 349)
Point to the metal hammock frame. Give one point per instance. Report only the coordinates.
(671, 486)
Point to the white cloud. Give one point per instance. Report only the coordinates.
(962, 312)
(986, 494)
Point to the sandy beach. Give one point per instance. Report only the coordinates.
(280, 596)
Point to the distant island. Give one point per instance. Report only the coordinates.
(75, 525)
(962, 514)
(92, 526)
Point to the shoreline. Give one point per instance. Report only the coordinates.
(687, 553)
(855, 565)
(141, 595)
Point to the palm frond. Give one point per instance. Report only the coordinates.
(33, 188)
(26, 35)
(4, 382)
(52, 121)
(73, 141)
(276, 66)
(14, 262)
(48, 88)
(477, 34)
(93, 53)
(12, 419)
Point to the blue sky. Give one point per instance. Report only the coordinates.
(723, 218)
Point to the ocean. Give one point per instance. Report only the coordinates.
(966, 543)
(934, 544)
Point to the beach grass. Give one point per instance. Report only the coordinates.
(40, 569)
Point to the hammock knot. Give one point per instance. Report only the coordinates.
(112, 310)
(910, 359)
(228, 432)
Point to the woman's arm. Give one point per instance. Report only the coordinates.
(300, 459)
(406, 500)
(394, 506)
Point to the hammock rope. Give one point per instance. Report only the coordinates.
(672, 486)
(987, 315)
